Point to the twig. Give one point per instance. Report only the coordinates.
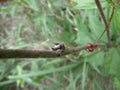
(104, 20)
(19, 53)
(101, 12)
(110, 19)
(115, 4)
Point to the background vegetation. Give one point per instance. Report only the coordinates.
(37, 24)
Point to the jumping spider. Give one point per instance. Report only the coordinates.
(58, 48)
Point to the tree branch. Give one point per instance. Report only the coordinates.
(19, 53)
(101, 12)
(104, 20)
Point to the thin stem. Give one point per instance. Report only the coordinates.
(110, 19)
(101, 35)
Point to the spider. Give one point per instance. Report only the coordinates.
(58, 48)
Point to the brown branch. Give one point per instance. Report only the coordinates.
(110, 19)
(104, 20)
(101, 12)
(116, 4)
(18, 53)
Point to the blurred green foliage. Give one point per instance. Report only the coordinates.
(37, 24)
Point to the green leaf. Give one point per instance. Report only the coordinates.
(57, 3)
(117, 83)
(18, 70)
(115, 63)
(67, 34)
(107, 62)
(8, 82)
(84, 75)
(96, 26)
(26, 3)
(83, 35)
(88, 4)
(44, 72)
(110, 1)
(2, 67)
(116, 19)
(14, 8)
(4, 10)
(97, 59)
(33, 5)
(112, 61)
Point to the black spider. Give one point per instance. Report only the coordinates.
(58, 46)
